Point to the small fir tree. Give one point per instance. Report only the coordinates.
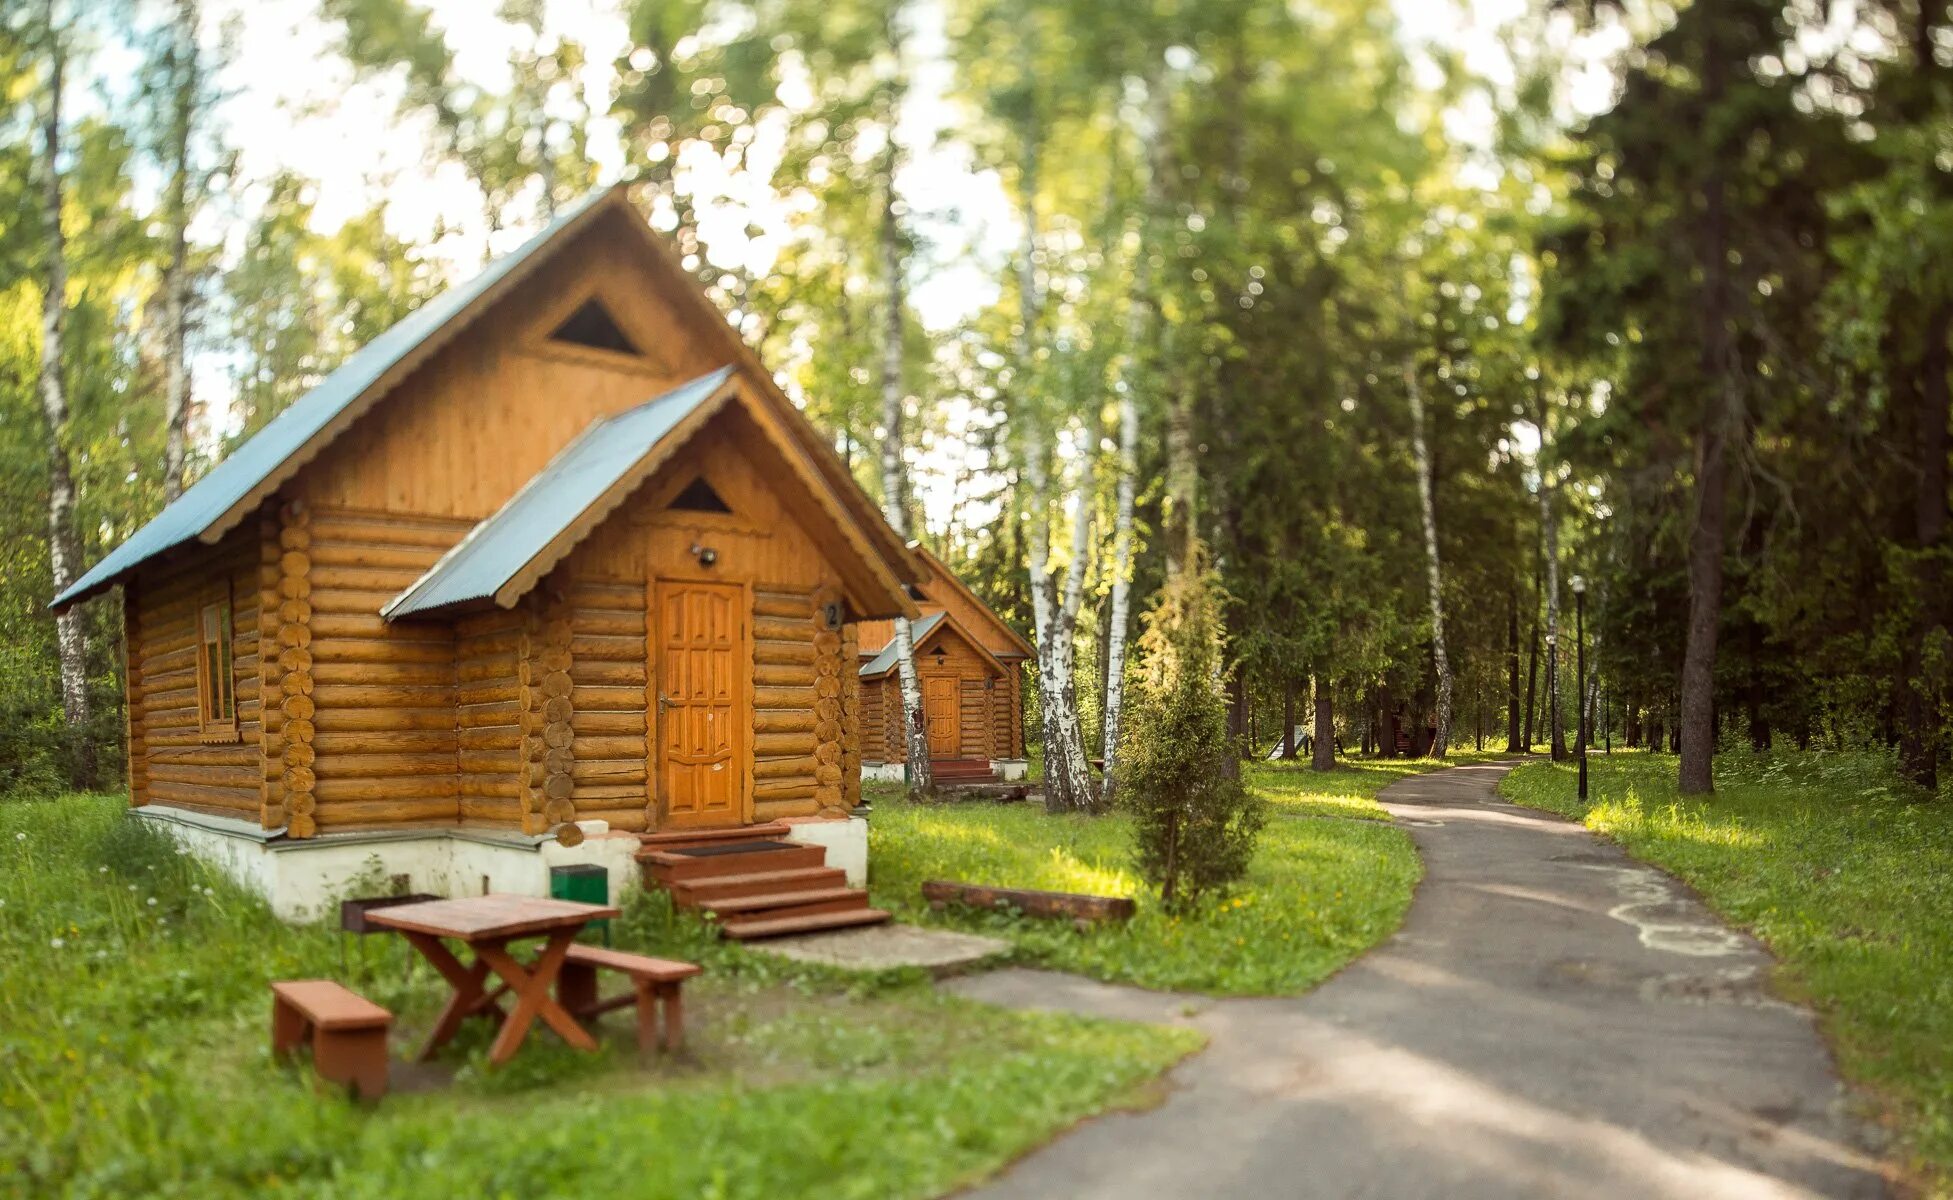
(1194, 821)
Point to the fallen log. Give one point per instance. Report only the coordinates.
(1077, 907)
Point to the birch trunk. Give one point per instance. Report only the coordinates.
(64, 556)
(176, 280)
(1122, 532)
(1550, 535)
(895, 489)
(1067, 776)
(1441, 739)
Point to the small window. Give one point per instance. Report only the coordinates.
(216, 701)
(592, 325)
(699, 496)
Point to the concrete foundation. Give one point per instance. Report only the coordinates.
(845, 838)
(305, 880)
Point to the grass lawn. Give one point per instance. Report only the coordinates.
(1330, 879)
(133, 1058)
(1847, 880)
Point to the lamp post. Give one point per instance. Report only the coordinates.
(1580, 672)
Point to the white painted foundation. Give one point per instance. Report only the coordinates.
(1011, 769)
(882, 772)
(846, 840)
(305, 880)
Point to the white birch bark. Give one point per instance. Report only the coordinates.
(1054, 604)
(64, 553)
(1549, 532)
(176, 280)
(895, 491)
(1441, 741)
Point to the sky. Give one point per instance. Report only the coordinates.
(292, 104)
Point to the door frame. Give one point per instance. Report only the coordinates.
(654, 647)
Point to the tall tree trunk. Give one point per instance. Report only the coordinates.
(895, 487)
(1705, 554)
(1532, 661)
(64, 551)
(1919, 718)
(1138, 321)
(1324, 758)
(1512, 743)
(1067, 776)
(1550, 536)
(184, 82)
(1434, 575)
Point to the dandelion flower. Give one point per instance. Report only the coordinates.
(20, 837)
(57, 943)
(152, 902)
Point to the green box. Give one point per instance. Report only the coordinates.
(585, 883)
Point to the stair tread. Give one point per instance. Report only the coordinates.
(788, 875)
(780, 899)
(770, 829)
(808, 924)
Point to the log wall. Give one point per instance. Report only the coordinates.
(488, 649)
(385, 695)
(172, 761)
(608, 667)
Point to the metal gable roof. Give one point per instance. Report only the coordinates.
(580, 475)
(200, 508)
(917, 631)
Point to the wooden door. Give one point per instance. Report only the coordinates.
(702, 665)
(940, 713)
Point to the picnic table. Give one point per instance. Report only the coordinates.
(486, 925)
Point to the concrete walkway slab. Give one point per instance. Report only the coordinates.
(1553, 1020)
(887, 947)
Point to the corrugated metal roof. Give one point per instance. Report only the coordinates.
(886, 659)
(580, 475)
(197, 509)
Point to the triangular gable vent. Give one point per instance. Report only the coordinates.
(698, 496)
(592, 325)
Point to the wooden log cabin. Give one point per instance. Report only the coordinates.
(970, 664)
(554, 550)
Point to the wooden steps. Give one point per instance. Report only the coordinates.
(754, 884)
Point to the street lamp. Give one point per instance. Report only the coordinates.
(1580, 672)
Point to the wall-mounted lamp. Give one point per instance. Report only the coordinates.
(706, 555)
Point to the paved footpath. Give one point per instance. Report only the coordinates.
(1553, 1020)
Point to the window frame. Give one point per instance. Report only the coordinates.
(216, 715)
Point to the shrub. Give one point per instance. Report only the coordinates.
(1194, 821)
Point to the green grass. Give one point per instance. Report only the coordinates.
(1320, 891)
(136, 1015)
(1842, 874)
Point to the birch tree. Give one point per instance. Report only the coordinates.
(182, 80)
(895, 491)
(64, 551)
(1441, 740)
(1139, 323)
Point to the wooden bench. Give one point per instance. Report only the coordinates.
(655, 984)
(1082, 910)
(347, 1031)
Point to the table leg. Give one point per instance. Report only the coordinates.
(468, 998)
(674, 1013)
(532, 987)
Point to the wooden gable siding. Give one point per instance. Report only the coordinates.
(170, 760)
(943, 596)
(480, 418)
(798, 765)
(384, 696)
